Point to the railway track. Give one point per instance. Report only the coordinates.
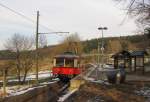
(60, 89)
(63, 90)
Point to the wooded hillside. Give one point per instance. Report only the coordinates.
(113, 44)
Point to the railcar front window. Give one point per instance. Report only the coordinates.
(59, 62)
(69, 62)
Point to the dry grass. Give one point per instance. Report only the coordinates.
(114, 93)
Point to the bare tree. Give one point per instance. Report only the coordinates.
(140, 9)
(42, 41)
(72, 43)
(21, 45)
(27, 60)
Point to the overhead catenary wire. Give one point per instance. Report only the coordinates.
(23, 16)
(127, 13)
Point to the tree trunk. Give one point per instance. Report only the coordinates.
(18, 75)
(25, 75)
(18, 65)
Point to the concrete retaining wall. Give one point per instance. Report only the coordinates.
(75, 84)
(43, 94)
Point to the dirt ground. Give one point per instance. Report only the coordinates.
(95, 92)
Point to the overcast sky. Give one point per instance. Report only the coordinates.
(81, 16)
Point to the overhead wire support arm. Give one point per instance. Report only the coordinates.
(53, 33)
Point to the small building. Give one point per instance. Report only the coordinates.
(138, 58)
(131, 60)
(122, 57)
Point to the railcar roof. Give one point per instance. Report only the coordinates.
(67, 55)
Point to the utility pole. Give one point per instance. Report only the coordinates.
(98, 51)
(37, 44)
(102, 45)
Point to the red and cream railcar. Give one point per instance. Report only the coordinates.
(66, 66)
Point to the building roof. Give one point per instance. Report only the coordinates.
(138, 53)
(123, 54)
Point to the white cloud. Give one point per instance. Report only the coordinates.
(82, 16)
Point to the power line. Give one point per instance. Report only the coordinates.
(23, 16)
